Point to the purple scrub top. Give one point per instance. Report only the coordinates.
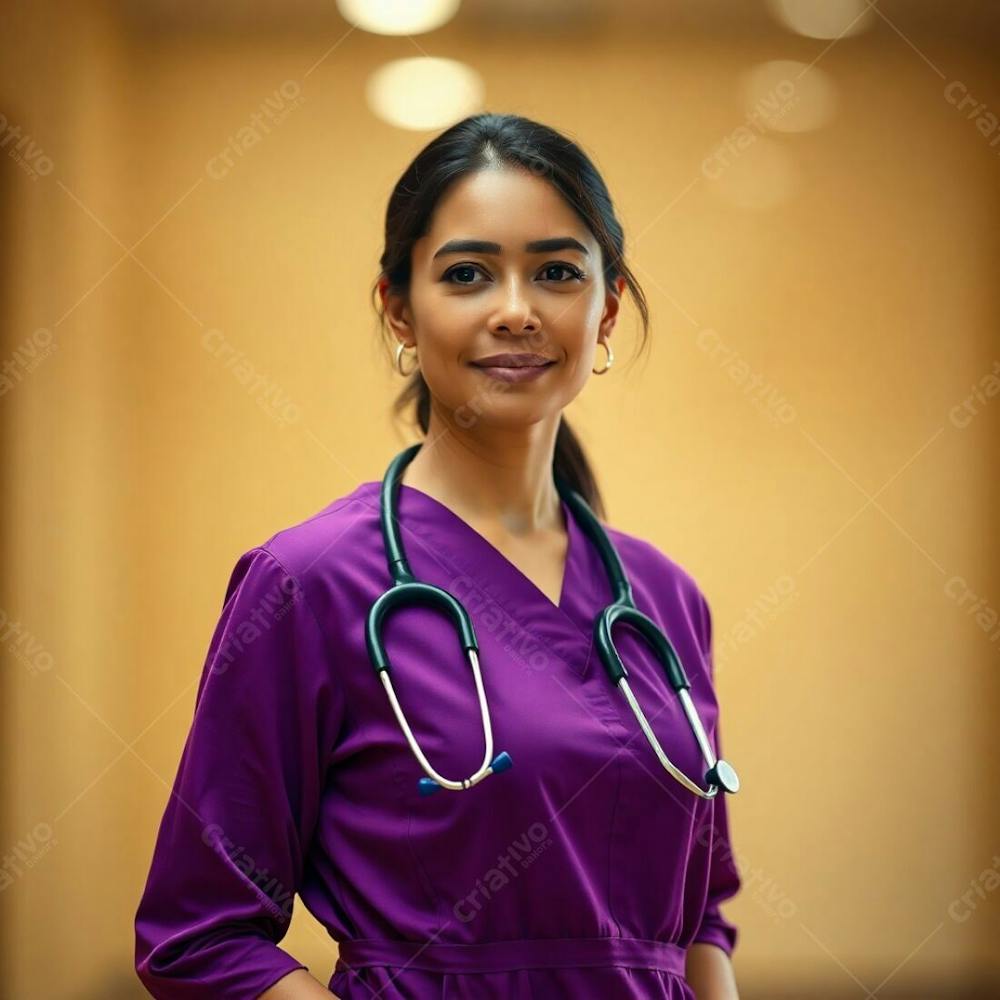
(583, 871)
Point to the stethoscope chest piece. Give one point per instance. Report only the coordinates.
(724, 776)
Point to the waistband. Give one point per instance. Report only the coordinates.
(504, 956)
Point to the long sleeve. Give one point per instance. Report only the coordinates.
(724, 877)
(233, 840)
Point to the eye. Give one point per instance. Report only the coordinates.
(575, 274)
(447, 276)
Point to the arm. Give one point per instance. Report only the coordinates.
(709, 969)
(297, 985)
(235, 834)
(709, 973)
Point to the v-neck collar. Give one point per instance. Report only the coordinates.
(460, 524)
(431, 523)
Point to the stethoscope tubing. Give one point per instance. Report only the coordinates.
(406, 590)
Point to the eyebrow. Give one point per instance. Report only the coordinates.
(536, 246)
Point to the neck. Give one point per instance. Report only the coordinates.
(491, 474)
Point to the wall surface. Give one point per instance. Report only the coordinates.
(812, 435)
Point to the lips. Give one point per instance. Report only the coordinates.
(514, 361)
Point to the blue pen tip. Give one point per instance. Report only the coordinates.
(428, 786)
(501, 762)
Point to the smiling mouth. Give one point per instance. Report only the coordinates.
(514, 361)
(513, 373)
(512, 368)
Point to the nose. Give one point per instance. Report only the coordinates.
(514, 311)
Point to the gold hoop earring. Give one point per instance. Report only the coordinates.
(400, 347)
(611, 358)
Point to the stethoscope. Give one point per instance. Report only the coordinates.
(406, 590)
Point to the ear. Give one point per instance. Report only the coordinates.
(612, 303)
(397, 313)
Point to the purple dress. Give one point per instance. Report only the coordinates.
(583, 871)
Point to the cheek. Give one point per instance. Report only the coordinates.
(575, 322)
(447, 319)
(594, 309)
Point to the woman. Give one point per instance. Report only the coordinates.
(584, 870)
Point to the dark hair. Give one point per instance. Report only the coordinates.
(486, 141)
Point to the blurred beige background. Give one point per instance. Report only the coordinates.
(813, 436)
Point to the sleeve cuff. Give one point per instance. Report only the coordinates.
(722, 934)
(226, 969)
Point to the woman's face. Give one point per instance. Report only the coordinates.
(469, 302)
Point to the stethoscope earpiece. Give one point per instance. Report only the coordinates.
(502, 761)
(428, 786)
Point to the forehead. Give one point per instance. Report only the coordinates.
(509, 207)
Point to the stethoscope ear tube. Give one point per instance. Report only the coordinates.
(649, 630)
(720, 775)
(407, 594)
(407, 591)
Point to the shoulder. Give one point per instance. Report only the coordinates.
(339, 534)
(647, 557)
(662, 578)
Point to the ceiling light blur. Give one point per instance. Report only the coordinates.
(424, 92)
(398, 17)
(823, 18)
(788, 96)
